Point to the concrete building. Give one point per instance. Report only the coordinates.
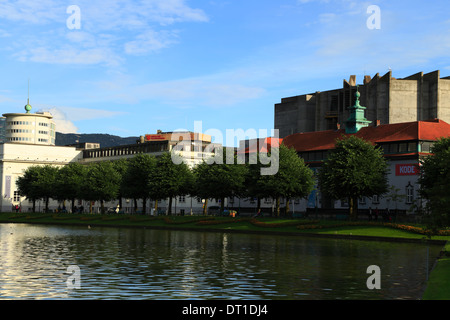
(404, 145)
(388, 100)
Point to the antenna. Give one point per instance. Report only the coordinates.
(28, 100)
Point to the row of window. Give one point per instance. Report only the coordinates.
(27, 123)
(21, 139)
(19, 131)
(19, 123)
(408, 200)
(387, 148)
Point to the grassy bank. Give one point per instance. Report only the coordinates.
(438, 287)
(439, 281)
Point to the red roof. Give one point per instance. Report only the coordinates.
(263, 145)
(408, 131)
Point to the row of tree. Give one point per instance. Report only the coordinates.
(148, 177)
(353, 169)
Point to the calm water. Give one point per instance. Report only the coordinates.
(153, 264)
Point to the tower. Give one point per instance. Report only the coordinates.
(356, 119)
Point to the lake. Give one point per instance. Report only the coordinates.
(64, 262)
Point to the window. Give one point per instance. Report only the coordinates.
(409, 193)
(362, 200)
(402, 147)
(426, 146)
(412, 147)
(375, 199)
(182, 199)
(16, 196)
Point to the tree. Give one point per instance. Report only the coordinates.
(136, 177)
(38, 182)
(69, 182)
(354, 169)
(220, 180)
(28, 186)
(121, 167)
(435, 184)
(101, 183)
(293, 179)
(171, 178)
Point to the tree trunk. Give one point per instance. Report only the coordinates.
(34, 205)
(73, 205)
(205, 207)
(353, 208)
(156, 207)
(169, 210)
(287, 207)
(102, 204)
(222, 204)
(46, 204)
(144, 206)
(278, 206)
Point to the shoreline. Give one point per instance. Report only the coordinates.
(238, 231)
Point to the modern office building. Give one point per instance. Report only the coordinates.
(388, 100)
(34, 128)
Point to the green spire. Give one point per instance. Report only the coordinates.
(28, 106)
(356, 120)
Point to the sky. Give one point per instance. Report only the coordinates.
(130, 68)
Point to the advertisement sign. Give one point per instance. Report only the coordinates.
(411, 169)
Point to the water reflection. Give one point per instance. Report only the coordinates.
(153, 264)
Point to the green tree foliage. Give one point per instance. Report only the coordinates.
(293, 179)
(69, 182)
(220, 180)
(101, 183)
(435, 184)
(171, 177)
(28, 185)
(354, 169)
(38, 182)
(136, 178)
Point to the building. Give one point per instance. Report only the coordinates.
(30, 128)
(388, 100)
(193, 147)
(404, 145)
(2, 129)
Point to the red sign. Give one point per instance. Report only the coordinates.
(411, 169)
(149, 137)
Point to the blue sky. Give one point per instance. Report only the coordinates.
(137, 66)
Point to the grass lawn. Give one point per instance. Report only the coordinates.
(438, 287)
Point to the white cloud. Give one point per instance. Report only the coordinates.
(65, 117)
(150, 41)
(108, 29)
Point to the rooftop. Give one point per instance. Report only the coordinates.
(430, 130)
